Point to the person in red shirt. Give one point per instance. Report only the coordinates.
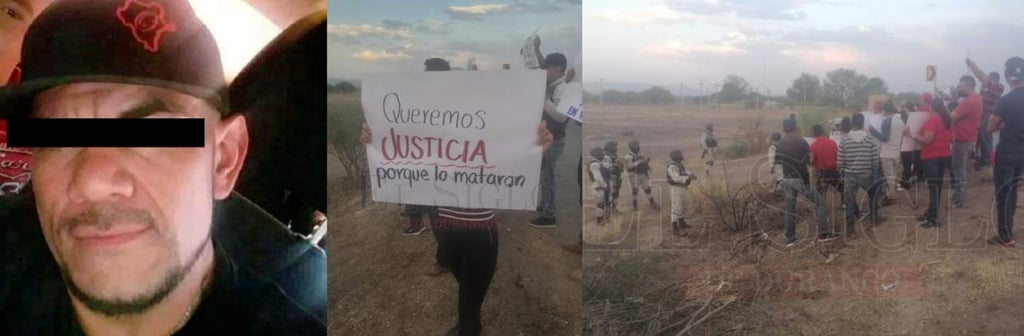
(935, 139)
(824, 160)
(966, 118)
(824, 157)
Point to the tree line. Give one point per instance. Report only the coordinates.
(841, 87)
(343, 87)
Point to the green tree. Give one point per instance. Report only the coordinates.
(345, 87)
(657, 95)
(805, 88)
(344, 124)
(734, 89)
(841, 86)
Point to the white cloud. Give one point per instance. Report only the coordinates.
(478, 10)
(347, 32)
(826, 55)
(474, 12)
(783, 10)
(433, 26)
(644, 16)
(677, 48)
(370, 55)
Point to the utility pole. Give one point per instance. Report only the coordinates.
(602, 91)
(682, 93)
(700, 96)
(718, 93)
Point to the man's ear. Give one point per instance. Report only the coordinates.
(232, 144)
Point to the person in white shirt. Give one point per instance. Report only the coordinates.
(891, 139)
(554, 64)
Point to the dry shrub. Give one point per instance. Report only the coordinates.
(634, 296)
(751, 139)
(737, 208)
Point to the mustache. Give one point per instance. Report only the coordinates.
(104, 217)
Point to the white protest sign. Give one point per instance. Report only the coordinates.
(571, 104)
(528, 51)
(915, 122)
(462, 139)
(872, 119)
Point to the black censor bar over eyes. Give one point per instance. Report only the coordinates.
(92, 132)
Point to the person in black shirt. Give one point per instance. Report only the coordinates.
(131, 240)
(1009, 118)
(793, 154)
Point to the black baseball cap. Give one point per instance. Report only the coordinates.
(158, 43)
(1015, 69)
(555, 59)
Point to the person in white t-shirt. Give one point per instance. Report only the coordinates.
(891, 139)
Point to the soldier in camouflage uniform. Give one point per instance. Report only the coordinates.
(638, 170)
(611, 159)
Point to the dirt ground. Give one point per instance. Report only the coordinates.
(377, 284)
(895, 279)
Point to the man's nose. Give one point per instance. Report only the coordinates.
(97, 176)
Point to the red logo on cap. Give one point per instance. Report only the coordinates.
(15, 77)
(146, 20)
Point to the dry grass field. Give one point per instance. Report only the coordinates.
(895, 279)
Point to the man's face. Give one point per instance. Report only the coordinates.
(15, 17)
(126, 224)
(555, 72)
(965, 87)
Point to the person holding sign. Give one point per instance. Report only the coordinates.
(556, 122)
(1008, 119)
(467, 243)
(935, 138)
(966, 118)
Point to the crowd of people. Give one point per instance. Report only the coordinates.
(892, 158)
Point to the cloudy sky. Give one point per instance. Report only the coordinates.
(366, 37)
(673, 42)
